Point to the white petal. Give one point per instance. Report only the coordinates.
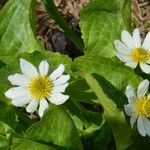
(18, 79)
(60, 88)
(148, 96)
(123, 57)
(130, 94)
(146, 43)
(133, 119)
(43, 107)
(58, 98)
(131, 64)
(127, 39)
(129, 109)
(142, 88)
(122, 48)
(140, 126)
(145, 68)
(148, 62)
(43, 67)
(28, 69)
(62, 80)
(58, 72)
(146, 125)
(136, 38)
(20, 101)
(32, 106)
(16, 92)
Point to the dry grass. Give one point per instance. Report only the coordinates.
(141, 15)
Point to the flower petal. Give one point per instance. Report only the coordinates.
(60, 88)
(133, 119)
(32, 106)
(136, 38)
(22, 100)
(145, 68)
(122, 57)
(58, 98)
(131, 64)
(127, 39)
(16, 92)
(146, 43)
(44, 67)
(28, 69)
(140, 126)
(43, 107)
(129, 109)
(146, 125)
(130, 94)
(18, 79)
(122, 48)
(58, 72)
(62, 80)
(142, 88)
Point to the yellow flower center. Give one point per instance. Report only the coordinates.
(140, 55)
(40, 87)
(143, 107)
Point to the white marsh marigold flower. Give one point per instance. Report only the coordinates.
(35, 87)
(132, 51)
(139, 107)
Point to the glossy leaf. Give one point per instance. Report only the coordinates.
(17, 28)
(23, 144)
(56, 127)
(101, 23)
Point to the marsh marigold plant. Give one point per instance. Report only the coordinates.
(139, 107)
(35, 87)
(132, 51)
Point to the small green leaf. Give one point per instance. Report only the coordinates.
(17, 28)
(56, 127)
(5, 134)
(23, 144)
(13, 117)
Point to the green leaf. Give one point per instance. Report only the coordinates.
(101, 140)
(114, 116)
(117, 74)
(5, 134)
(86, 115)
(56, 127)
(4, 143)
(23, 144)
(101, 23)
(13, 117)
(17, 28)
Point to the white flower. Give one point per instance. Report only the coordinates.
(34, 87)
(139, 107)
(132, 51)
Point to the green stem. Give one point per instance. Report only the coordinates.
(70, 34)
(113, 115)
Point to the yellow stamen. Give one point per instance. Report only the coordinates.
(40, 87)
(140, 55)
(143, 107)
